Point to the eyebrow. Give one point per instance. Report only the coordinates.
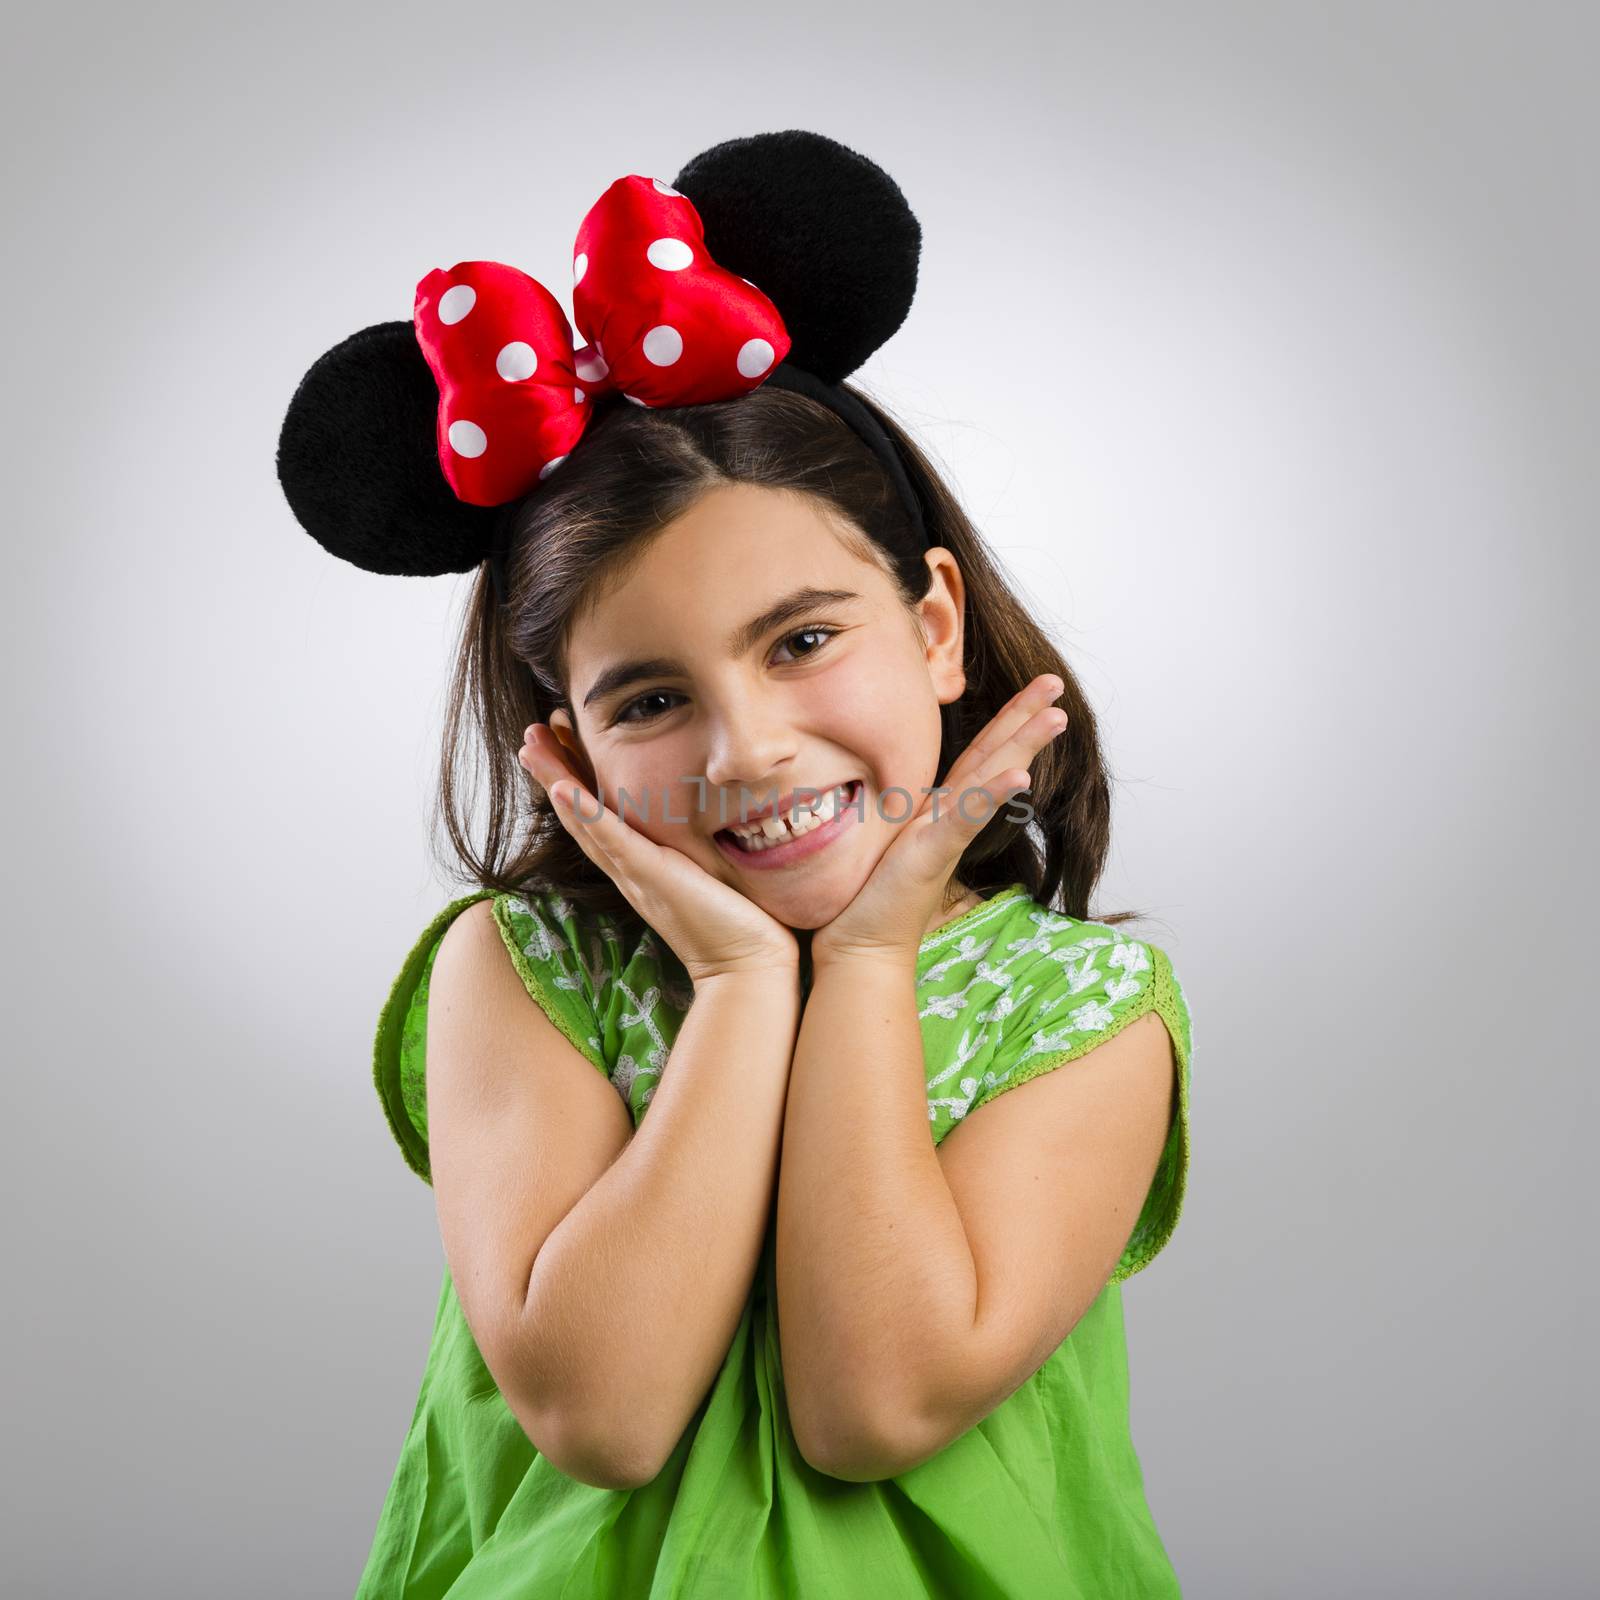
(623, 673)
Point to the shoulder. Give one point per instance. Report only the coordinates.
(471, 930)
(1074, 983)
(586, 953)
(1071, 987)
(563, 956)
(400, 1042)
(544, 929)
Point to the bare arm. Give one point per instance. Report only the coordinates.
(875, 1276)
(920, 1286)
(603, 1272)
(638, 1292)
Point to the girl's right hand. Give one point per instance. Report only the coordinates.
(711, 927)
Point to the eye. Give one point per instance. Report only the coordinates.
(625, 713)
(639, 700)
(824, 634)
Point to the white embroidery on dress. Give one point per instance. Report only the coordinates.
(1046, 924)
(970, 949)
(1082, 965)
(627, 1068)
(975, 918)
(956, 1106)
(596, 966)
(971, 1088)
(1005, 1003)
(947, 1005)
(1077, 961)
(549, 947)
(1093, 1016)
(1040, 941)
(547, 943)
(1126, 958)
(988, 992)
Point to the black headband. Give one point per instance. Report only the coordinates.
(373, 473)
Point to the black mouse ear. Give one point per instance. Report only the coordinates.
(823, 232)
(358, 459)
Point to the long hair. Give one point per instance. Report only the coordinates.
(634, 471)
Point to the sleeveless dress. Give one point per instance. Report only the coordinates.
(1042, 1497)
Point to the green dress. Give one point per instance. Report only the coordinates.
(1043, 1497)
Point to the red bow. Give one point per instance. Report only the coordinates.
(666, 325)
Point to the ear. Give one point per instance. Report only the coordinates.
(562, 727)
(358, 460)
(942, 613)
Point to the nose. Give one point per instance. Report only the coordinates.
(751, 746)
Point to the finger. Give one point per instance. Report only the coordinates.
(618, 847)
(1006, 724)
(967, 811)
(1020, 749)
(1006, 786)
(596, 828)
(577, 806)
(545, 760)
(544, 757)
(1016, 733)
(960, 819)
(601, 834)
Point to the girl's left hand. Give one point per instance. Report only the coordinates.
(891, 911)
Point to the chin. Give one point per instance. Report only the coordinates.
(798, 911)
(811, 924)
(810, 906)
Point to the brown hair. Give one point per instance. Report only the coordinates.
(635, 470)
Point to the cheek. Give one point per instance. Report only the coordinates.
(661, 802)
(885, 717)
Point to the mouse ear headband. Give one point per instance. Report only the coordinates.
(782, 258)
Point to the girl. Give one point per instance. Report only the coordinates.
(812, 815)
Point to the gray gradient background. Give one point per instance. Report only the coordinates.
(1258, 339)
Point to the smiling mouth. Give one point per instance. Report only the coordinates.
(757, 839)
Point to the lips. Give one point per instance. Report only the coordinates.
(793, 851)
(784, 806)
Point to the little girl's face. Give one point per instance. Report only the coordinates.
(672, 683)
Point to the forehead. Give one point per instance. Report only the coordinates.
(738, 549)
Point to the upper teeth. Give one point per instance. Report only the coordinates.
(809, 814)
